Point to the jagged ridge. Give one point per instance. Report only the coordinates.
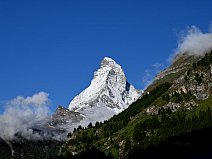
(109, 93)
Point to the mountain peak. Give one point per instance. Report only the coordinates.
(109, 93)
(107, 61)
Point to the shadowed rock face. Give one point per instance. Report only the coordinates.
(64, 116)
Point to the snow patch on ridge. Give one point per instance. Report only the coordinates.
(108, 94)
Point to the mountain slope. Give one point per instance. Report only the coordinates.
(169, 107)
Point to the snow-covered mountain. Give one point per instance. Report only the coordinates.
(108, 94)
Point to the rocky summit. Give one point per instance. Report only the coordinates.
(108, 94)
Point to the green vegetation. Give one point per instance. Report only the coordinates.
(98, 135)
(177, 97)
(28, 149)
(134, 130)
(169, 78)
(204, 62)
(165, 125)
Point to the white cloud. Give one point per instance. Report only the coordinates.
(38, 99)
(21, 114)
(194, 42)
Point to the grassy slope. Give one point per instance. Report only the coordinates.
(107, 144)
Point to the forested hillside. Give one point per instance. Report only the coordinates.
(179, 102)
(29, 149)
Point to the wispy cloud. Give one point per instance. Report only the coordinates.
(194, 42)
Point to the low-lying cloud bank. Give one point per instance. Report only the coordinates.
(194, 42)
(23, 114)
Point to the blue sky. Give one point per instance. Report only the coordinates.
(55, 46)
